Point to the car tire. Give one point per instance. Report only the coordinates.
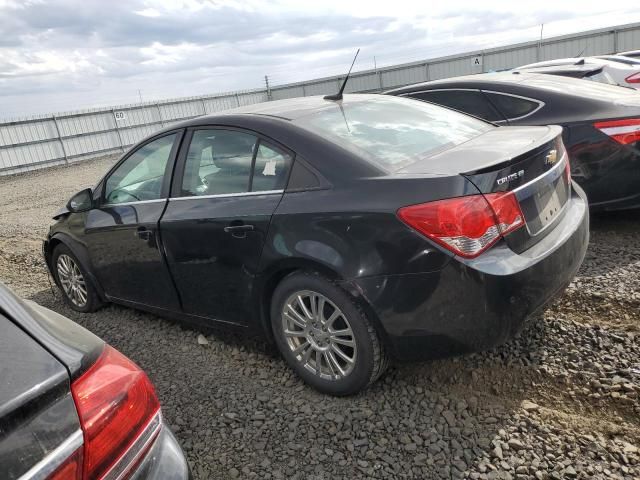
(76, 286)
(339, 332)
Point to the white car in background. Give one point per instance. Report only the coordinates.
(630, 54)
(612, 69)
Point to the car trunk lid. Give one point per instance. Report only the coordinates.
(528, 161)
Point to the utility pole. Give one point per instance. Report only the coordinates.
(540, 43)
(140, 95)
(266, 82)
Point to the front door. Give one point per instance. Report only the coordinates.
(122, 232)
(228, 183)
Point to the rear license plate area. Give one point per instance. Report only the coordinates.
(545, 205)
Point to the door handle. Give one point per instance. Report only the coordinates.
(238, 231)
(144, 233)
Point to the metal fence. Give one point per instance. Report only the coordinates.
(47, 140)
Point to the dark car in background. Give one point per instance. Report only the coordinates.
(74, 408)
(346, 231)
(601, 123)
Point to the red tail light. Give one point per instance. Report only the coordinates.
(635, 78)
(622, 131)
(467, 226)
(116, 404)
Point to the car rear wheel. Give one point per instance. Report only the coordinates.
(77, 288)
(325, 336)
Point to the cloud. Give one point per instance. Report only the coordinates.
(92, 51)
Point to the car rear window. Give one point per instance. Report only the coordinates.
(393, 132)
(513, 107)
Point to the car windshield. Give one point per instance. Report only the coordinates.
(393, 132)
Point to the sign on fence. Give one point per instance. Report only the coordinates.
(120, 115)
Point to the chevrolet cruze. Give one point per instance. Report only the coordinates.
(349, 232)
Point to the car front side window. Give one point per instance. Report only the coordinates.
(140, 177)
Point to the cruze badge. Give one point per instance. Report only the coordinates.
(509, 178)
(551, 158)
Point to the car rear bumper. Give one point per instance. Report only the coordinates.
(472, 305)
(164, 460)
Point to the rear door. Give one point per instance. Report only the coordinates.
(121, 233)
(227, 185)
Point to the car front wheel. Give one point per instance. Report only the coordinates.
(76, 286)
(325, 336)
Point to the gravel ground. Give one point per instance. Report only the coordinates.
(559, 401)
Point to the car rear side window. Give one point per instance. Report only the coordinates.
(512, 107)
(271, 168)
(472, 102)
(221, 162)
(392, 132)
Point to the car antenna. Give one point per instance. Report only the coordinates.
(338, 96)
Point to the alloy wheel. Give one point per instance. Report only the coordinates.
(319, 335)
(72, 280)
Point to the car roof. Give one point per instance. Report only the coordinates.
(551, 84)
(294, 108)
(630, 53)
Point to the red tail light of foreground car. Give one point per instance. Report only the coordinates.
(120, 417)
(466, 226)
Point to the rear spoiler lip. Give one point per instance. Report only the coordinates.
(499, 166)
(583, 70)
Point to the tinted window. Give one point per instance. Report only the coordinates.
(467, 101)
(218, 162)
(392, 132)
(512, 107)
(141, 175)
(271, 168)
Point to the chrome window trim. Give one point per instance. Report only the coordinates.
(137, 202)
(55, 458)
(225, 195)
(539, 102)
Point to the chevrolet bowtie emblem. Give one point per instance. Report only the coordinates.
(551, 157)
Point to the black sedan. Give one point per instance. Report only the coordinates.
(601, 123)
(72, 407)
(346, 231)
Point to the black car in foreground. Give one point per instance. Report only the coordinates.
(74, 408)
(347, 231)
(601, 123)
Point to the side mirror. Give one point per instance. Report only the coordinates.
(81, 201)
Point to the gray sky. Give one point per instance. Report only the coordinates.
(70, 54)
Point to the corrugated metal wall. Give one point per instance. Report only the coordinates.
(41, 141)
